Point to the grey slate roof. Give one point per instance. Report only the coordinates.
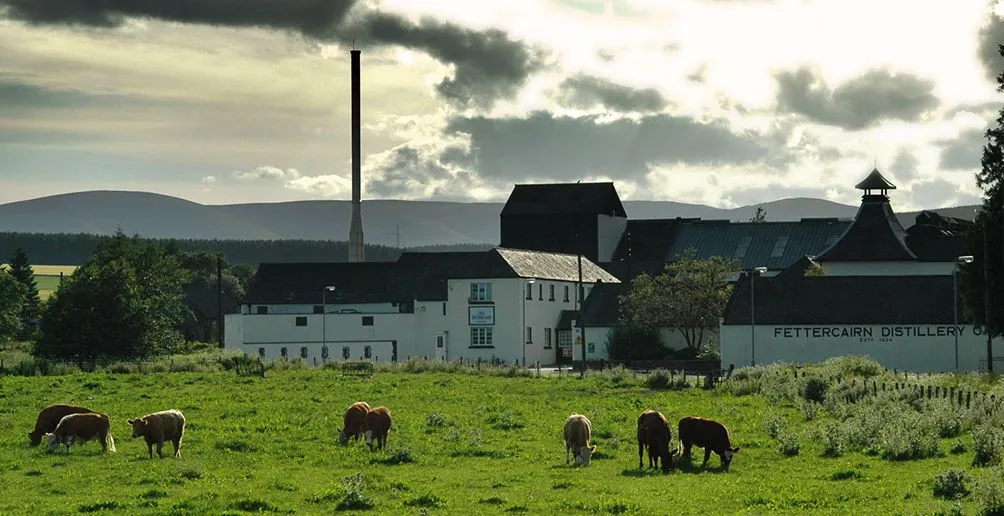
(564, 198)
(553, 266)
(875, 235)
(844, 300)
(765, 241)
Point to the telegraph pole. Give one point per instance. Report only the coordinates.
(986, 291)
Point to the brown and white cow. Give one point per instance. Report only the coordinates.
(167, 425)
(49, 417)
(655, 435)
(80, 428)
(708, 434)
(352, 425)
(577, 432)
(376, 426)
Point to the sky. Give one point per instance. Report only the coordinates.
(720, 102)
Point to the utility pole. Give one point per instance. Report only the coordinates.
(219, 300)
(986, 291)
(628, 276)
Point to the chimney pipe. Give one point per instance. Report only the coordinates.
(356, 248)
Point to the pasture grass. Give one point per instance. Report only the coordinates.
(481, 444)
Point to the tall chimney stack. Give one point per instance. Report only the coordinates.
(356, 249)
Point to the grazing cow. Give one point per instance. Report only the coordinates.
(707, 434)
(167, 425)
(577, 432)
(49, 417)
(355, 418)
(654, 433)
(81, 427)
(376, 426)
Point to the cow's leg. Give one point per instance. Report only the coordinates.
(160, 446)
(149, 449)
(177, 447)
(686, 449)
(568, 447)
(641, 448)
(104, 441)
(707, 455)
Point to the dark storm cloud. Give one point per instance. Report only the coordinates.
(565, 148)
(964, 152)
(488, 64)
(586, 91)
(409, 167)
(989, 39)
(858, 103)
(904, 166)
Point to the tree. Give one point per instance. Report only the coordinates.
(11, 300)
(125, 302)
(689, 295)
(988, 234)
(21, 270)
(759, 216)
(816, 270)
(201, 295)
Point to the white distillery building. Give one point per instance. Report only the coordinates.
(888, 293)
(502, 304)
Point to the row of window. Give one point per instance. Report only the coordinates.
(284, 352)
(540, 292)
(481, 336)
(482, 292)
(366, 319)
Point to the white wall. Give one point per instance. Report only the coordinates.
(887, 268)
(608, 234)
(541, 314)
(670, 337)
(366, 308)
(918, 348)
(233, 331)
(275, 331)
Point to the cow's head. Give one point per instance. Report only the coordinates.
(584, 455)
(342, 436)
(727, 456)
(52, 441)
(35, 438)
(667, 460)
(138, 427)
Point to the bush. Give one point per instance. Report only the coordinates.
(834, 440)
(355, 498)
(950, 484)
(910, 438)
(814, 389)
(991, 495)
(987, 443)
(787, 444)
(639, 343)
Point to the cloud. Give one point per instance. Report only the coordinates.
(432, 168)
(330, 185)
(558, 148)
(904, 167)
(989, 39)
(964, 152)
(209, 179)
(487, 64)
(270, 173)
(587, 91)
(939, 193)
(859, 103)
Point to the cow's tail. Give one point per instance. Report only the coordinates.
(111, 443)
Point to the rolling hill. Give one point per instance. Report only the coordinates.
(387, 222)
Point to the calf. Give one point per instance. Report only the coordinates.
(376, 426)
(49, 417)
(707, 434)
(352, 425)
(577, 432)
(654, 433)
(167, 425)
(81, 427)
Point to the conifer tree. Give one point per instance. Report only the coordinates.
(22, 271)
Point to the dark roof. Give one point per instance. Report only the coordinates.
(875, 181)
(797, 269)
(758, 244)
(303, 283)
(875, 235)
(649, 239)
(602, 305)
(938, 238)
(844, 300)
(565, 198)
(565, 319)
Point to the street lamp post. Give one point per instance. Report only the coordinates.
(527, 291)
(753, 272)
(955, 301)
(324, 316)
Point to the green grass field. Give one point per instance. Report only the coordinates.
(461, 443)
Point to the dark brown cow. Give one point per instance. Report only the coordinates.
(49, 417)
(377, 426)
(167, 425)
(655, 435)
(80, 428)
(352, 425)
(708, 434)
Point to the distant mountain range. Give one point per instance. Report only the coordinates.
(386, 222)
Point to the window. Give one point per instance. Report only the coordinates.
(283, 353)
(744, 244)
(444, 308)
(566, 293)
(481, 292)
(551, 287)
(529, 291)
(778, 250)
(261, 310)
(540, 291)
(547, 338)
(529, 335)
(368, 352)
(345, 352)
(318, 309)
(367, 320)
(324, 352)
(261, 352)
(303, 351)
(301, 321)
(582, 293)
(481, 337)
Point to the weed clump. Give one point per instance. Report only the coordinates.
(950, 484)
(987, 442)
(355, 499)
(814, 389)
(427, 500)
